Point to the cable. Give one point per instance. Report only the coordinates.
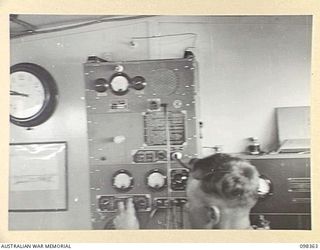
(182, 164)
(169, 35)
(102, 20)
(181, 217)
(168, 144)
(173, 215)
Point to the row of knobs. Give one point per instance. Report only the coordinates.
(119, 83)
(156, 180)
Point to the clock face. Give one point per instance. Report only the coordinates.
(33, 94)
(27, 95)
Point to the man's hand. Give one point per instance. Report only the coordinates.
(126, 218)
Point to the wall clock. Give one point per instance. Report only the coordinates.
(33, 94)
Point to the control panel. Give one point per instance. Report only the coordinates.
(109, 203)
(141, 119)
(286, 181)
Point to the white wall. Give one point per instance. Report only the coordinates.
(63, 56)
(247, 67)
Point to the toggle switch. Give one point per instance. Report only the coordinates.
(142, 202)
(180, 202)
(119, 139)
(161, 202)
(106, 203)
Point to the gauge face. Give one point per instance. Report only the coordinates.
(122, 180)
(33, 94)
(27, 95)
(119, 84)
(138, 83)
(156, 180)
(100, 85)
(179, 178)
(265, 187)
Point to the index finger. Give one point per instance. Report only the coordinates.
(130, 202)
(121, 207)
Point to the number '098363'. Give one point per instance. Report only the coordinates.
(309, 246)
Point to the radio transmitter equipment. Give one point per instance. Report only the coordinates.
(141, 118)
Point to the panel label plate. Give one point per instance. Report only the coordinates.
(155, 128)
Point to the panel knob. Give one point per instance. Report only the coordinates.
(122, 180)
(156, 180)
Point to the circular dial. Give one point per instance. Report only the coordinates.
(265, 187)
(138, 83)
(122, 180)
(27, 94)
(156, 180)
(33, 94)
(119, 83)
(101, 85)
(179, 178)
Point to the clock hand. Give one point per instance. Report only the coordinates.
(18, 93)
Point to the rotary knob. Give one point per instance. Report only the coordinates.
(119, 83)
(122, 180)
(156, 180)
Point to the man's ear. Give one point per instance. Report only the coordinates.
(197, 170)
(214, 214)
(197, 174)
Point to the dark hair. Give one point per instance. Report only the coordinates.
(227, 176)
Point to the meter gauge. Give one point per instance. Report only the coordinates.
(179, 178)
(265, 187)
(122, 180)
(105, 203)
(156, 180)
(101, 85)
(138, 83)
(119, 83)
